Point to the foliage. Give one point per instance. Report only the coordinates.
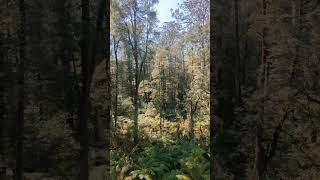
(168, 159)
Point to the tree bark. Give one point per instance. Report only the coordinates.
(41, 118)
(137, 80)
(108, 77)
(84, 99)
(264, 54)
(115, 49)
(258, 170)
(65, 57)
(213, 127)
(2, 91)
(298, 26)
(20, 118)
(88, 59)
(237, 86)
(191, 120)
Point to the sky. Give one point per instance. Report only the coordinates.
(163, 8)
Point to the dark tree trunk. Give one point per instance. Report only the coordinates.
(108, 110)
(136, 105)
(258, 169)
(259, 163)
(213, 127)
(65, 57)
(108, 76)
(191, 120)
(115, 49)
(237, 86)
(2, 91)
(20, 118)
(88, 60)
(41, 118)
(137, 80)
(85, 91)
(264, 55)
(297, 13)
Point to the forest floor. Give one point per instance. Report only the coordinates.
(163, 152)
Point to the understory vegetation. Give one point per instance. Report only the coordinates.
(161, 92)
(158, 155)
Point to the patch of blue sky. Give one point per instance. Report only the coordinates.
(163, 9)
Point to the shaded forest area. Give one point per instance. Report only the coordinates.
(49, 51)
(266, 93)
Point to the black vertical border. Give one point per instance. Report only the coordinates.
(108, 77)
(212, 124)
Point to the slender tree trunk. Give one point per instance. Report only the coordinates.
(162, 88)
(258, 170)
(298, 26)
(108, 111)
(20, 119)
(191, 120)
(2, 91)
(115, 49)
(237, 86)
(108, 77)
(136, 105)
(40, 103)
(65, 57)
(130, 87)
(246, 57)
(84, 99)
(137, 80)
(213, 127)
(264, 56)
(244, 61)
(294, 12)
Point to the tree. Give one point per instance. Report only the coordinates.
(194, 17)
(65, 56)
(237, 64)
(139, 18)
(88, 60)
(20, 117)
(275, 103)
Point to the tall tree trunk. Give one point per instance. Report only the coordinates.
(40, 103)
(264, 54)
(2, 91)
(115, 49)
(191, 120)
(237, 86)
(294, 12)
(258, 169)
(137, 80)
(298, 26)
(136, 105)
(162, 87)
(84, 99)
(65, 57)
(88, 59)
(108, 76)
(20, 118)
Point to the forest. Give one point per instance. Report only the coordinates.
(103, 90)
(160, 80)
(265, 83)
